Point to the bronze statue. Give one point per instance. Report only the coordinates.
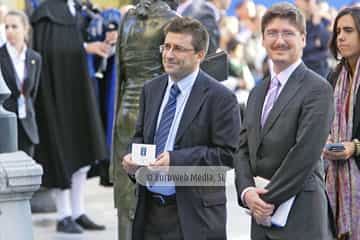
(140, 35)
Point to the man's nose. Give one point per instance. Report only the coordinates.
(170, 52)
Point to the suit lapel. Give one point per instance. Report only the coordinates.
(8, 70)
(290, 89)
(155, 104)
(193, 104)
(258, 105)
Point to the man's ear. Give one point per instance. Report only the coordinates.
(303, 36)
(201, 55)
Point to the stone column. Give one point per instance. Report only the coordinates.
(20, 177)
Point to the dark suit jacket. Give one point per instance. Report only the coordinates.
(207, 136)
(287, 152)
(31, 83)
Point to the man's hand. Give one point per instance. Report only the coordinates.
(101, 49)
(163, 161)
(111, 37)
(259, 208)
(129, 165)
(346, 154)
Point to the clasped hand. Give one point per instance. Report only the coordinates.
(260, 209)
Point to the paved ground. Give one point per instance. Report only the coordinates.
(99, 205)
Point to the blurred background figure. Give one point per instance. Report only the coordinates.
(209, 13)
(140, 36)
(240, 78)
(103, 71)
(71, 133)
(318, 22)
(343, 172)
(254, 52)
(31, 5)
(21, 68)
(3, 12)
(125, 8)
(229, 27)
(245, 11)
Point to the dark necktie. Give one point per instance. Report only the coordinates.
(166, 121)
(161, 137)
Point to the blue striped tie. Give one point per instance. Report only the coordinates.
(167, 118)
(162, 134)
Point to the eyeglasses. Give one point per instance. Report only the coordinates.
(284, 35)
(175, 48)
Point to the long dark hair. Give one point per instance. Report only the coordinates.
(355, 13)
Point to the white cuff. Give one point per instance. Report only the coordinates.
(243, 194)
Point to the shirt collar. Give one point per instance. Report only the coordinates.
(284, 75)
(14, 54)
(186, 83)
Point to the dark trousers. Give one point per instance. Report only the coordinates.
(24, 144)
(162, 221)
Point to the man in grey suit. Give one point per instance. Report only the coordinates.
(194, 121)
(286, 124)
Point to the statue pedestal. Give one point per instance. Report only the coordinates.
(20, 177)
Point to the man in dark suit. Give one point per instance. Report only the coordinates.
(286, 124)
(194, 121)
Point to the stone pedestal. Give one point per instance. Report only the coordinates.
(8, 122)
(20, 177)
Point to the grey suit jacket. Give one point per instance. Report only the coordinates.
(287, 151)
(207, 136)
(31, 83)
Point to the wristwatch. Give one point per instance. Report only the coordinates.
(357, 147)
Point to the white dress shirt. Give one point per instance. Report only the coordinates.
(185, 85)
(18, 61)
(71, 5)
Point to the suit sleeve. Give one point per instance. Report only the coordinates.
(243, 173)
(224, 122)
(313, 128)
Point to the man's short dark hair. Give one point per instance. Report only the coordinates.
(354, 12)
(187, 25)
(286, 11)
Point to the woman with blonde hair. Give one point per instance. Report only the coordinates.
(21, 68)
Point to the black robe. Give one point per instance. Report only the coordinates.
(71, 134)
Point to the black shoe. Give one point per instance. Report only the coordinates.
(67, 225)
(87, 224)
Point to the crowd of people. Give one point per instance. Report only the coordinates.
(84, 90)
